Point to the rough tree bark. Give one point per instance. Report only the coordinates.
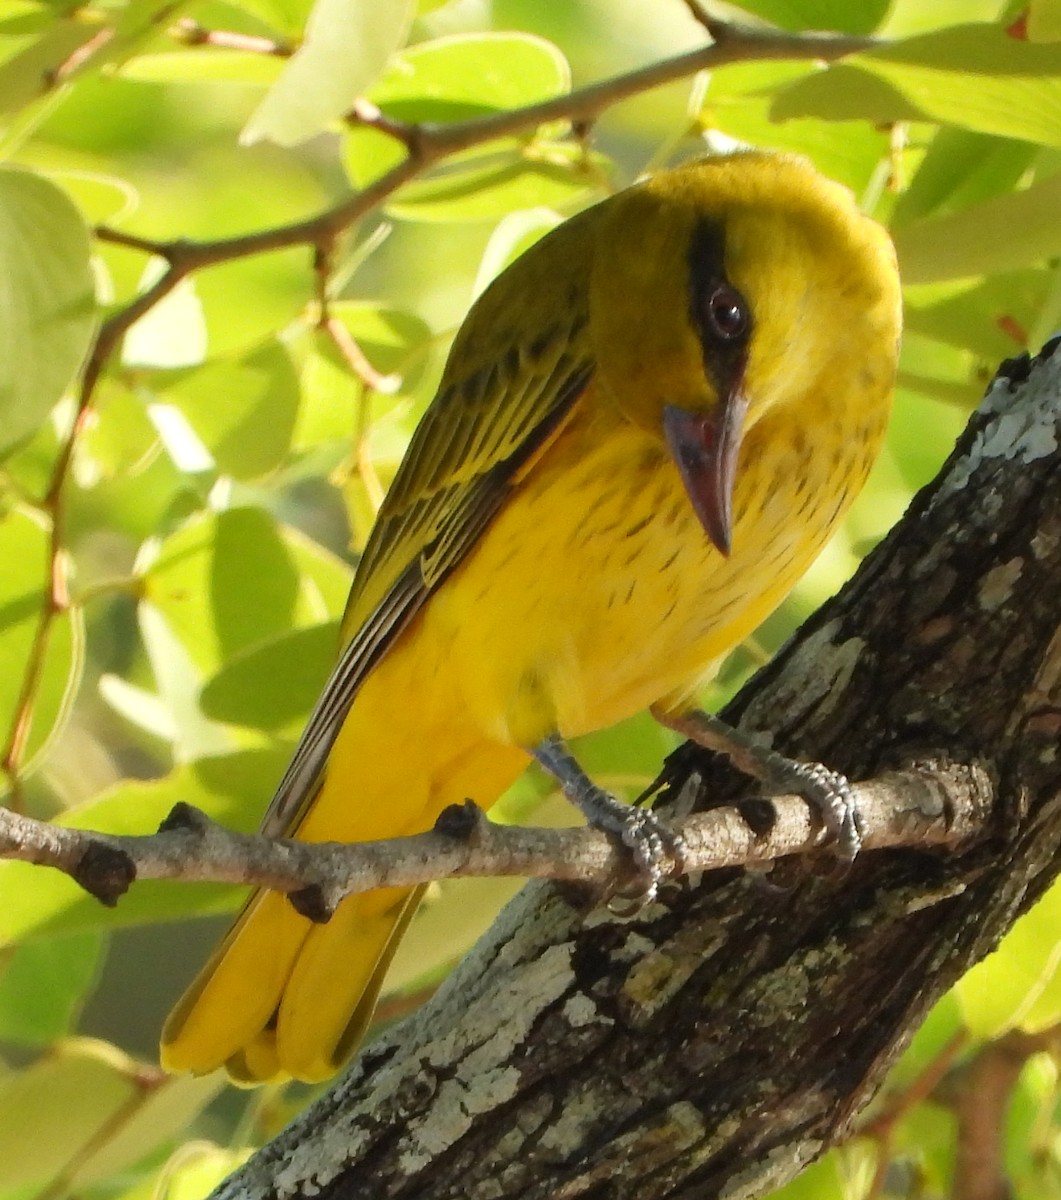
(719, 1041)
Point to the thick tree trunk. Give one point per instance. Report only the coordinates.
(719, 1041)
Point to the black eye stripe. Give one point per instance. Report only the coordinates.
(720, 313)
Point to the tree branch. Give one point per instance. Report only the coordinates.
(935, 804)
(429, 143)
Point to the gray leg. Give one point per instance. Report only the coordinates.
(653, 846)
(827, 791)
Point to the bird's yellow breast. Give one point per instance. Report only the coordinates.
(596, 592)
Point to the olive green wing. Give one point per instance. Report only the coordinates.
(480, 430)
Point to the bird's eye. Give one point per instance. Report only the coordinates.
(727, 313)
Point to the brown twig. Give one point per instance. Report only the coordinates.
(191, 33)
(355, 359)
(980, 1107)
(881, 1128)
(702, 17)
(928, 805)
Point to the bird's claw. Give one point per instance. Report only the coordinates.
(832, 797)
(655, 850)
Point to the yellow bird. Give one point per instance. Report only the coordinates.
(647, 428)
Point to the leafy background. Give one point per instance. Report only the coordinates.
(172, 575)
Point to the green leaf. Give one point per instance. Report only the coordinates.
(347, 45)
(286, 17)
(982, 317)
(926, 1136)
(1030, 1109)
(249, 433)
(822, 1180)
(275, 682)
(163, 1113)
(514, 233)
(214, 64)
(84, 1113)
(1002, 991)
(841, 15)
(939, 1028)
(172, 333)
(102, 198)
(960, 169)
(234, 789)
(51, 1112)
(737, 102)
(194, 1171)
(1044, 21)
(24, 591)
(224, 582)
(43, 984)
(1015, 230)
(455, 78)
(972, 76)
(178, 682)
(24, 74)
(491, 188)
(46, 298)
(120, 439)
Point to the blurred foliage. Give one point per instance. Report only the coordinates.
(226, 472)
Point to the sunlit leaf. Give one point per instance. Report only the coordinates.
(973, 76)
(24, 591)
(224, 582)
(960, 169)
(840, 15)
(1009, 231)
(514, 233)
(1044, 21)
(347, 44)
(488, 190)
(172, 333)
(233, 789)
(194, 65)
(242, 408)
(46, 300)
(276, 681)
(84, 1112)
(43, 985)
(51, 1112)
(25, 74)
(1000, 992)
(455, 78)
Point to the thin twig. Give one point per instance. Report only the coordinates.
(191, 33)
(881, 1129)
(355, 359)
(980, 1107)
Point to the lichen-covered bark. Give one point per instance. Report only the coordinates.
(729, 1033)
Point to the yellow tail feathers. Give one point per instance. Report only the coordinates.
(283, 996)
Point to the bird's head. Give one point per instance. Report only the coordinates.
(731, 286)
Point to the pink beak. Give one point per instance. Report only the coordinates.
(704, 447)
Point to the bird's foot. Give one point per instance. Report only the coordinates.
(828, 792)
(655, 849)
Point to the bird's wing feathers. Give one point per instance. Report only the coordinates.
(461, 464)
